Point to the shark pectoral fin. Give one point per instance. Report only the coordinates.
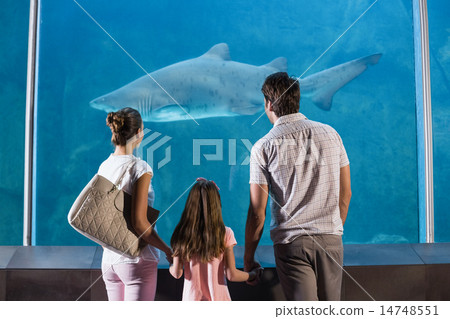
(323, 99)
(246, 110)
(279, 64)
(219, 51)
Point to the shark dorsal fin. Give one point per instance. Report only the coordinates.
(219, 51)
(279, 64)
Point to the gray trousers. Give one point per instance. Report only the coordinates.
(310, 267)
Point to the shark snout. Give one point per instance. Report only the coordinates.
(102, 103)
(98, 103)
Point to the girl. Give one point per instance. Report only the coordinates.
(203, 246)
(132, 278)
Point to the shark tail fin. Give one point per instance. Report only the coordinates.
(279, 64)
(335, 78)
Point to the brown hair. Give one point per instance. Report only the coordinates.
(200, 231)
(284, 93)
(124, 124)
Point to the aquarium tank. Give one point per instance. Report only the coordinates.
(194, 70)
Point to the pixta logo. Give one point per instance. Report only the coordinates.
(151, 142)
(288, 150)
(218, 154)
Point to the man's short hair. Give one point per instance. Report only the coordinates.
(284, 93)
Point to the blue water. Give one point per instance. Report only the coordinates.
(79, 62)
(374, 114)
(13, 80)
(440, 87)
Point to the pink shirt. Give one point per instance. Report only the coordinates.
(207, 281)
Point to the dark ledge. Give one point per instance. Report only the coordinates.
(381, 272)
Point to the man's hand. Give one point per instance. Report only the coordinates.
(256, 273)
(254, 266)
(250, 265)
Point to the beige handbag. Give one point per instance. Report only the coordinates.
(102, 213)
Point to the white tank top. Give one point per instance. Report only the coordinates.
(111, 169)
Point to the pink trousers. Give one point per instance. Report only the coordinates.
(131, 282)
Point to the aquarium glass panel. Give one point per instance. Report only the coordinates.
(194, 70)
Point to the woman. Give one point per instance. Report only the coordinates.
(132, 278)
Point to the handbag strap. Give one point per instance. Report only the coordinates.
(119, 180)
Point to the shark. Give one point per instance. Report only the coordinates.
(213, 85)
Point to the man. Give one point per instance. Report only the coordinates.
(304, 167)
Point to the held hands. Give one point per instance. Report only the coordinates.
(255, 271)
(255, 276)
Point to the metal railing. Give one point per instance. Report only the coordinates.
(29, 124)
